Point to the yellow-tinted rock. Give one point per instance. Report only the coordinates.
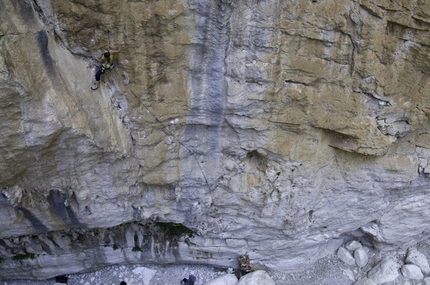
(294, 122)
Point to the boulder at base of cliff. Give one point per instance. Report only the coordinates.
(411, 271)
(385, 271)
(259, 277)
(361, 257)
(419, 259)
(228, 279)
(345, 256)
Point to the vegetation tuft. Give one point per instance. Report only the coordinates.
(175, 229)
(24, 256)
(136, 248)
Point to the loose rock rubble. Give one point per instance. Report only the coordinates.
(157, 275)
(419, 259)
(353, 253)
(259, 277)
(385, 271)
(411, 271)
(401, 267)
(345, 256)
(294, 123)
(227, 279)
(392, 268)
(361, 257)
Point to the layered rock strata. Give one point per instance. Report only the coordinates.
(277, 129)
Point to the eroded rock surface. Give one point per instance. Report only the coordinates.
(270, 128)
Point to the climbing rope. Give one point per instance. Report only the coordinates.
(166, 130)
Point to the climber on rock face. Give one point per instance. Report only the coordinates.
(107, 63)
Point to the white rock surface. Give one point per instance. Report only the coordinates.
(385, 271)
(419, 259)
(228, 279)
(146, 274)
(345, 256)
(427, 281)
(353, 245)
(259, 277)
(276, 127)
(360, 256)
(411, 271)
(365, 281)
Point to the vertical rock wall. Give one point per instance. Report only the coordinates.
(279, 129)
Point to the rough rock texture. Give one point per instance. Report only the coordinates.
(365, 281)
(145, 274)
(411, 271)
(345, 256)
(385, 271)
(361, 257)
(419, 259)
(277, 129)
(353, 245)
(259, 277)
(227, 279)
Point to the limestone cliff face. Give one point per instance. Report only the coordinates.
(274, 128)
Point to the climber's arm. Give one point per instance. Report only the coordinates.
(113, 51)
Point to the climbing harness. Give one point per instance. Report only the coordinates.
(108, 64)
